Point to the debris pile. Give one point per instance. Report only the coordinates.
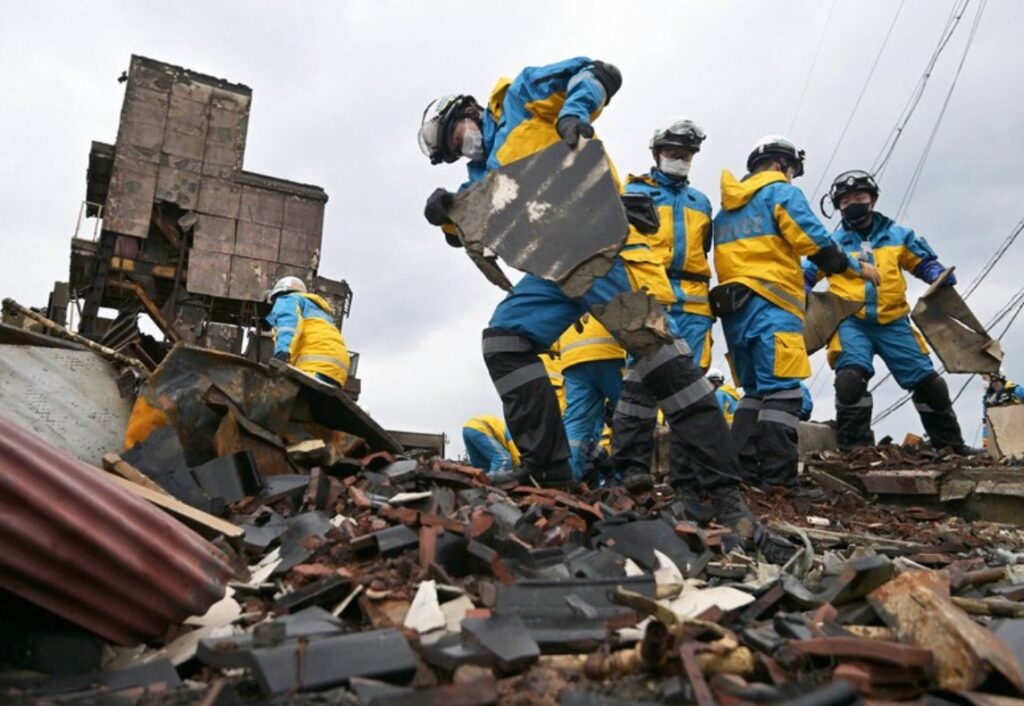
(345, 571)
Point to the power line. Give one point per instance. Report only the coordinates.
(915, 179)
(915, 97)
(814, 63)
(863, 90)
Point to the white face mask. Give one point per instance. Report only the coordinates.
(678, 168)
(472, 142)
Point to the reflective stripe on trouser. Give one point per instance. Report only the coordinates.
(528, 399)
(589, 388)
(853, 423)
(764, 432)
(701, 452)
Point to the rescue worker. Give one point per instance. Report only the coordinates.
(305, 334)
(681, 246)
(806, 403)
(765, 225)
(536, 109)
(490, 447)
(881, 327)
(592, 363)
(999, 392)
(727, 395)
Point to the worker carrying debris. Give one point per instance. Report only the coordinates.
(681, 246)
(541, 106)
(305, 334)
(490, 447)
(765, 225)
(881, 327)
(999, 392)
(727, 395)
(592, 363)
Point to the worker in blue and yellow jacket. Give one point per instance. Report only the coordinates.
(999, 392)
(728, 396)
(490, 447)
(524, 115)
(592, 362)
(765, 225)
(681, 246)
(305, 334)
(881, 327)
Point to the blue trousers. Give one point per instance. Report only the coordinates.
(591, 388)
(694, 329)
(485, 451)
(860, 341)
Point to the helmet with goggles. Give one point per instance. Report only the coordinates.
(851, 181)
(439, 119)
(679, 131)
(777, 147)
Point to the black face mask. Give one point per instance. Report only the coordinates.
(858, 215)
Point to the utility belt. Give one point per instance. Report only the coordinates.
(687, 276)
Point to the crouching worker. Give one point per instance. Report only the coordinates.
(305, 334)
(490, 447)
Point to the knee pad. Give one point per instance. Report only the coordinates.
(851, 385)
(933, 392)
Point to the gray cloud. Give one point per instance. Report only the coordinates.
(339, 89)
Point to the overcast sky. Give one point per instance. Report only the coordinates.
(338, 90)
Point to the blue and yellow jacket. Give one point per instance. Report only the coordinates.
(892, 249)
(592, 343)
(496, 430)
(765, 225)
(728, 397)
(683, 238)
(304, 328)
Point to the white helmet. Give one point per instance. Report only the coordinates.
(286, 284)
(438, 119)
(777, 146)
(678, 130)
(715, 375)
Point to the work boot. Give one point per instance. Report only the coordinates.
(637, 481)
(731, 510)
(557, 475)
(775, 549)
(965, 450)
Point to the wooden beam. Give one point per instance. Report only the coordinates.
(113, 463)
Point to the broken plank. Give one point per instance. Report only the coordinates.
(203, 522)
(903, 482)
(112, 463)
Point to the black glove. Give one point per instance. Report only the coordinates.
(571, 128)
(436, 210)
(282, 356)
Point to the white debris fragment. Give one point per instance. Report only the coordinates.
(425, 613)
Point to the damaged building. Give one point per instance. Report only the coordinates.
(184, 520)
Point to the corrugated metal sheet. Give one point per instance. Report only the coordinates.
(85, 549)
(69, 397)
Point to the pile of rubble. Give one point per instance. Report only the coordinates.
(335, 570)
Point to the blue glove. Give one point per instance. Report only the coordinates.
(283, 356)
(810, 279)
(930, 270)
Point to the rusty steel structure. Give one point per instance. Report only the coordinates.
(188, 237)
(90, 551)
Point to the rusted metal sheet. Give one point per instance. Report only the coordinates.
(251, 278)
(69, 397)
(961, 342)
(91, 552)
(916, 605)
(208, 272)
